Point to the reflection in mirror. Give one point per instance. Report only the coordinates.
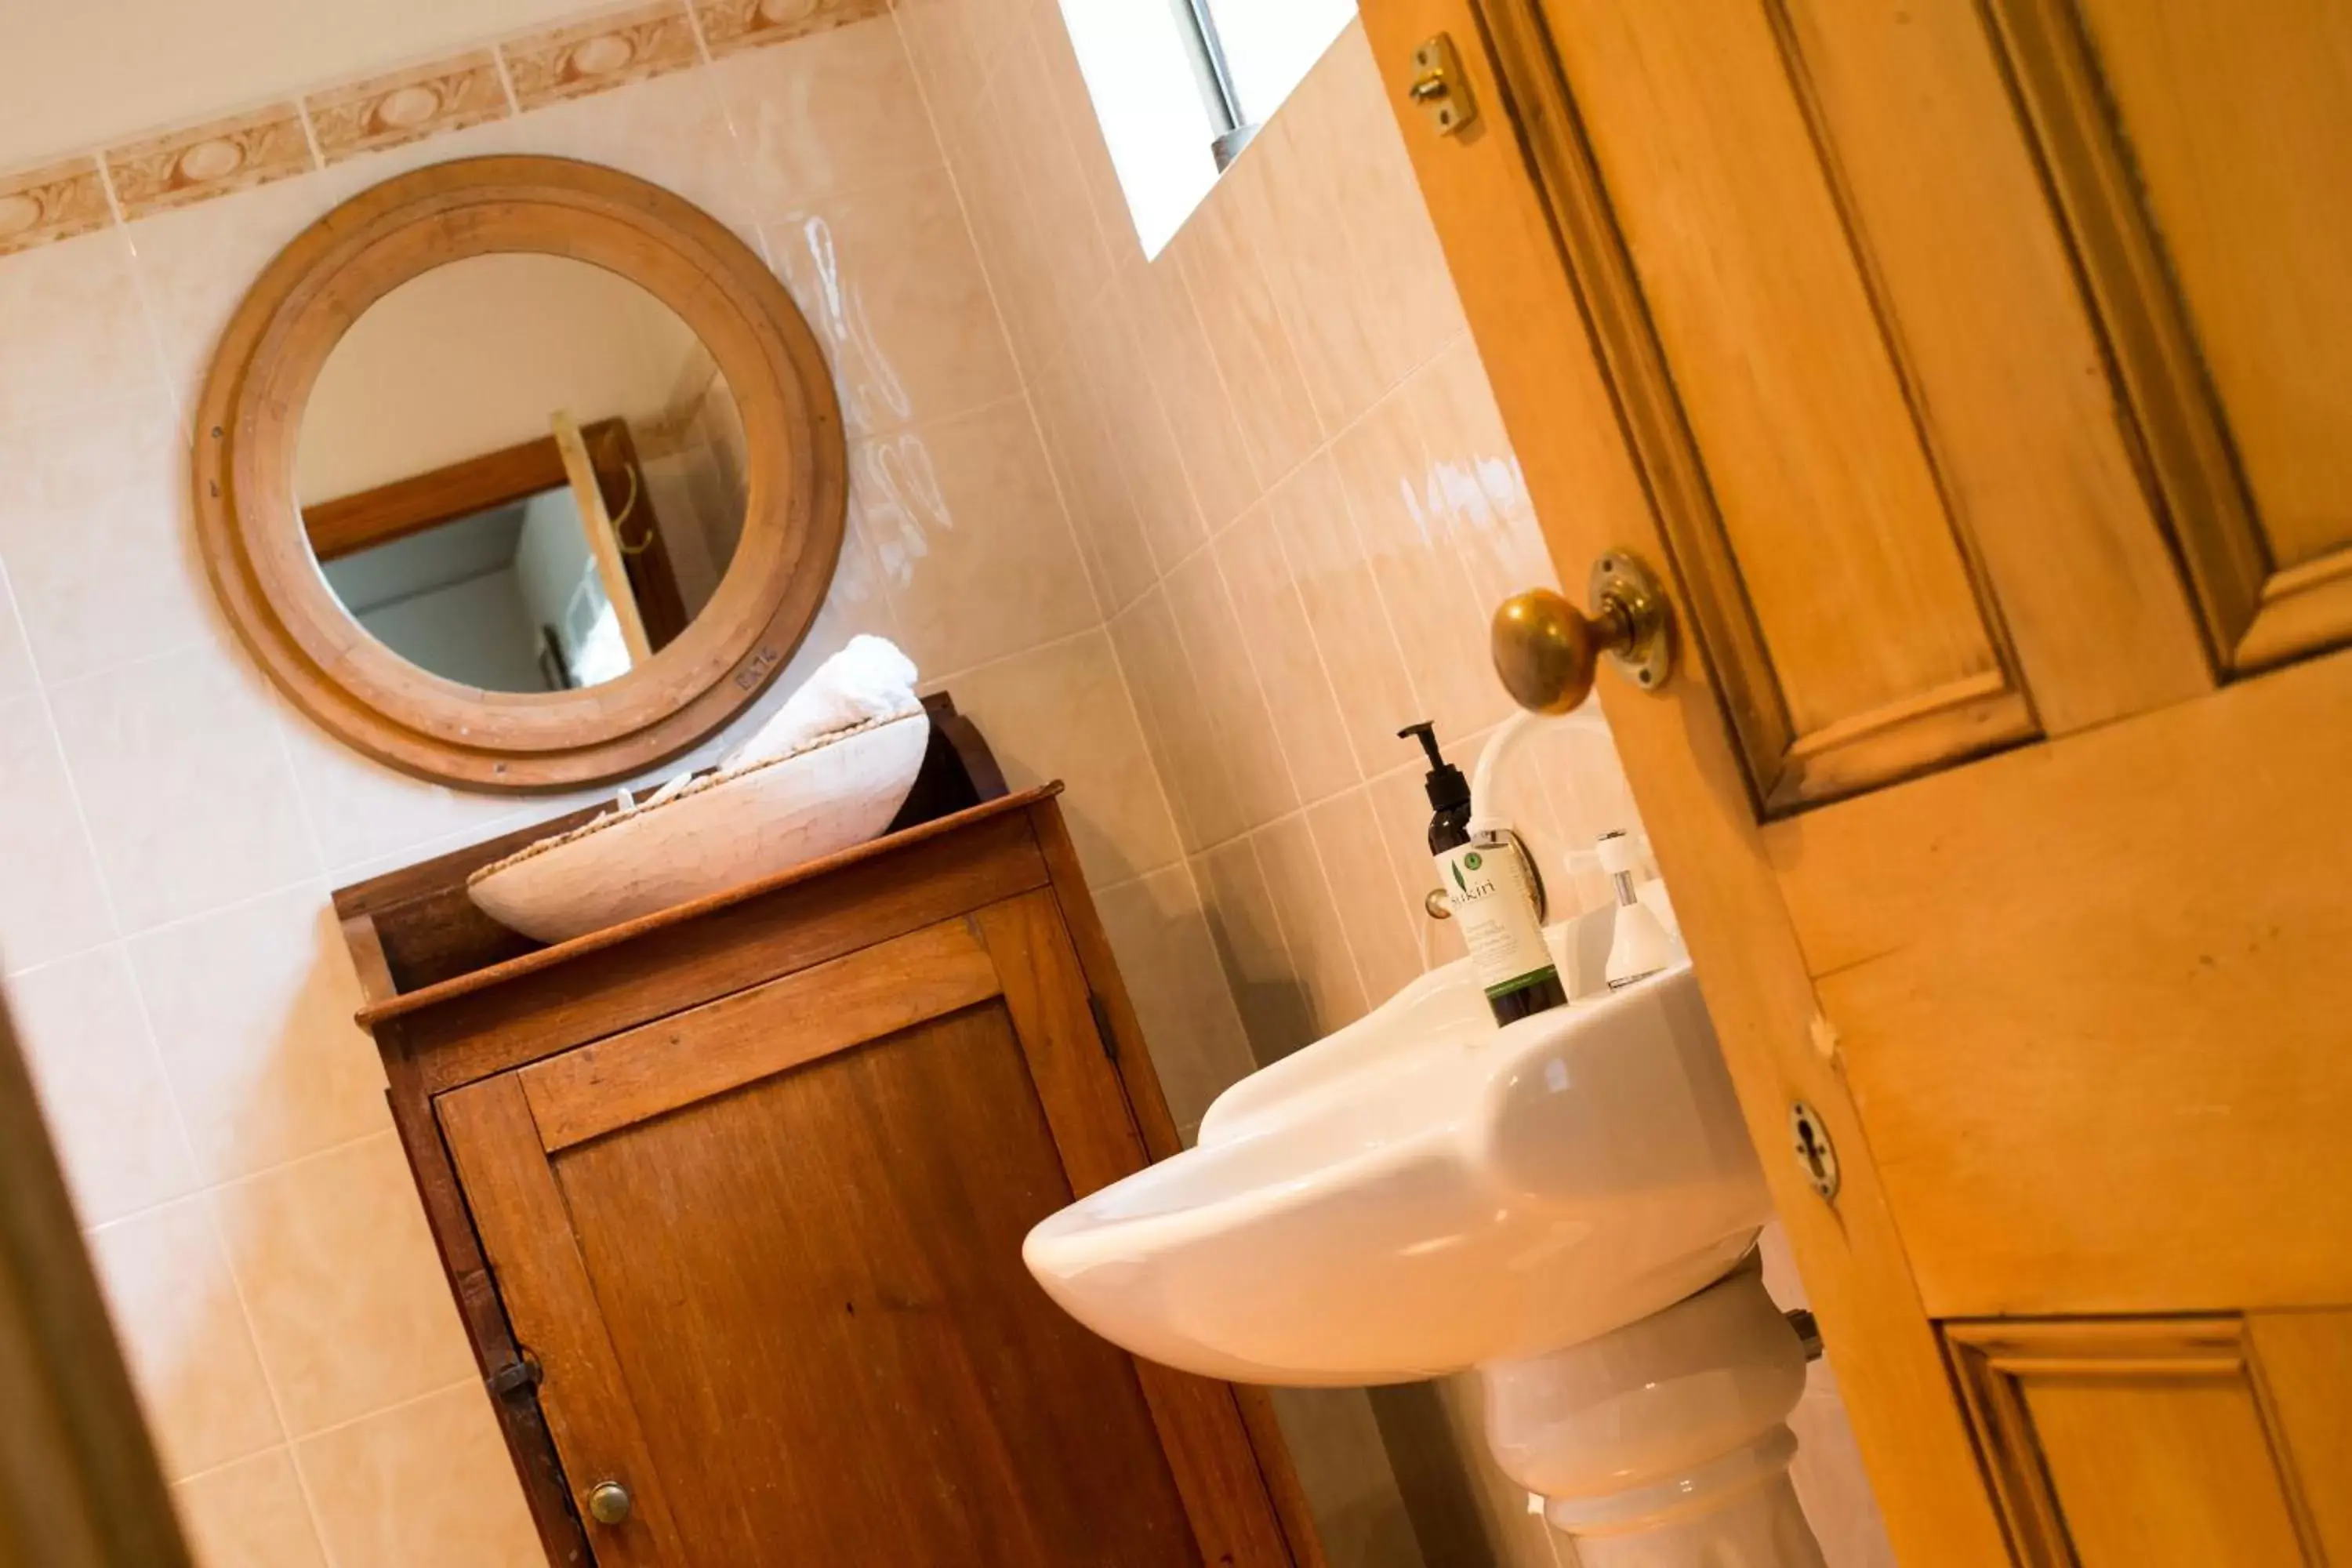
(521, 472)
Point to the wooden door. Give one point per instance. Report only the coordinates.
(767, 1252)
(1976, 373)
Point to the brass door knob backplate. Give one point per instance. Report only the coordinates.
(608, 1502)
(1546, 649)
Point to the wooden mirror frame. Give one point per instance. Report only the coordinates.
(250, 530)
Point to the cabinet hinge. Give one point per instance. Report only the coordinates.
(523, 1372)
(1103, 1030)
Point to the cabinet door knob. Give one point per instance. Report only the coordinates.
(608, 1502)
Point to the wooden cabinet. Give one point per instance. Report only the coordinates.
(733, 1198)
(1977, 375)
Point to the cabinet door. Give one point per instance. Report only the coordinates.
(2236, 1424)
(768, 1253)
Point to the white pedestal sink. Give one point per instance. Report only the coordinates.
(1568, 1205)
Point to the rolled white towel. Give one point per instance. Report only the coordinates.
(866, 680)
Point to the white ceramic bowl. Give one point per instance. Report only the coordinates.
(710, 836)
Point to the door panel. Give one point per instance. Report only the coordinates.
(1879, 652)
(2091, 998)
(2200, 151)
(815, 1284)
(2146, 1444)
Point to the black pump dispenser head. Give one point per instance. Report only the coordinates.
(1449, 792)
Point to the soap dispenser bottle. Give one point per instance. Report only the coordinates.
(1486, 888)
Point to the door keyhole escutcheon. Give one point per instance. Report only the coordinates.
(1809, 1137)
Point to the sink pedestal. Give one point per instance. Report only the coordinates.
(1664, 1443)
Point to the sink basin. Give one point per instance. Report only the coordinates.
(1422, 1192)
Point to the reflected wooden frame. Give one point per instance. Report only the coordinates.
(249, 527)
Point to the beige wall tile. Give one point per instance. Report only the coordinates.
(889, 278)
(1375, 910)
(1193, 393)
(51, 900)
(1143, 440)
(250, 1514)
(1071, 260)
(76, 335)
(101, 1084)
(406, 106)
(856, 603)
(1335, 580)
(673, 130)
(1269, 990)
(363, 811)
(1094, 487)
(429, 1482)
(1359, 1511)
(1440, 626)
(95, 530)
(1311, 925)
(941, 46)
(1475, 489)
(1176, 722)
(1160, 935)
(1061, 712)
(190, 801)
(194, 265)
(835, 108)
(252, 1011)
(350, 1310)
(1218, 253)
(176, 1309)
(1290, 669)
(1242, 729)
(581, 58)
(1387, 221)
(731, 24)
(43, 205)
(17, 673)
(1324, 290)
(194, 165)
(1012, 243)
(995, 29)
(967, 530)
(1066, 84)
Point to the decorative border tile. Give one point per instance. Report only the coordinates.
(191, 164)
(56, 202)
(406, 106)
(206, 160)
(581, 58)
(731, 24)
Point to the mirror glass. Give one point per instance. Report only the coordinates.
(521, 472)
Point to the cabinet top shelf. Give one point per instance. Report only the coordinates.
(433, 892)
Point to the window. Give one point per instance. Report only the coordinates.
(1181, 85)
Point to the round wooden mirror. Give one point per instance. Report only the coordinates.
(519, 473)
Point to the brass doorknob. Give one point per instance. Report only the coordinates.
(608, 1502)
(1546, 649)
